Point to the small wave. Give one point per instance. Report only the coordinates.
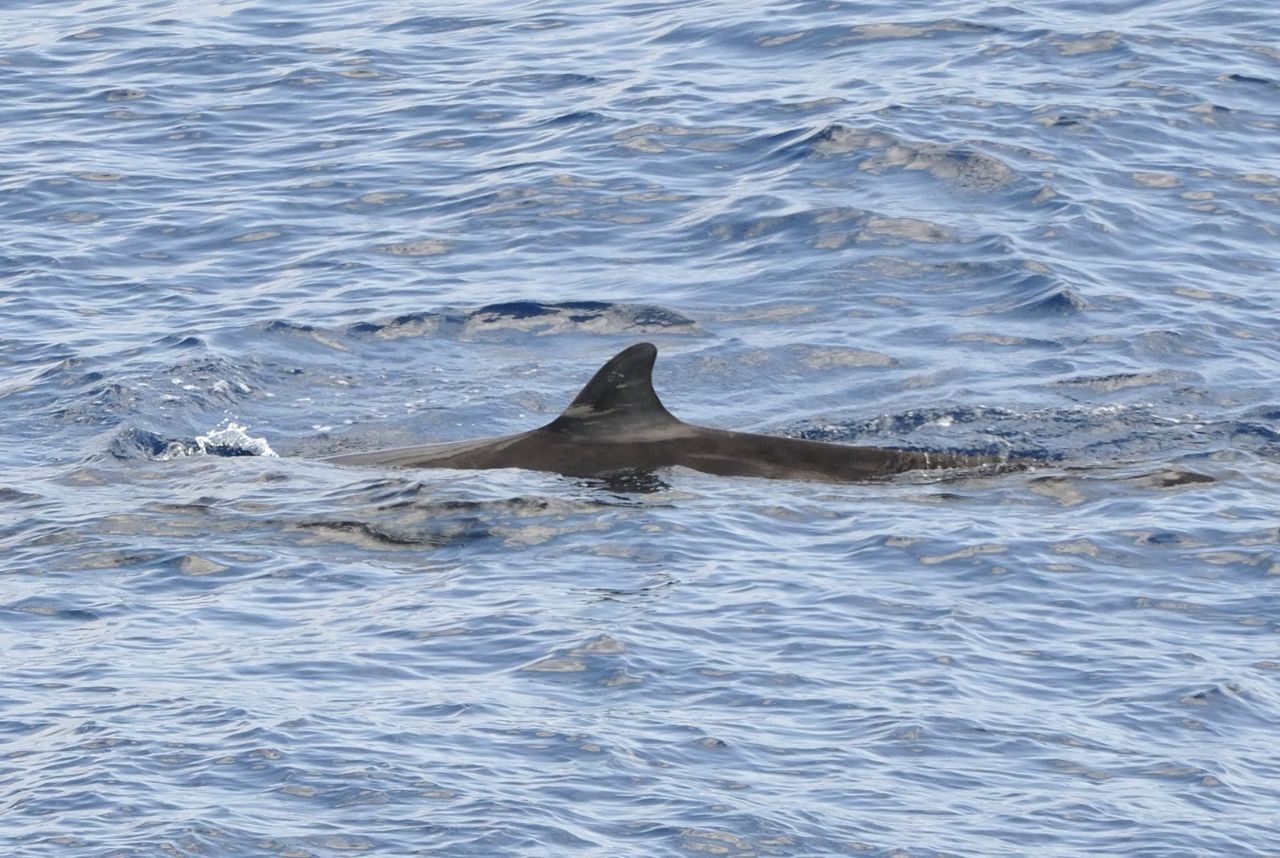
(532, 317)
(138, 444)
(1124, 380)
(964, 430)
(376, 536)
(1041, 295)
(435, 25)
(957, 164)
(1047, 434)
(46, 608)
(1172, 477)
(1256, 430)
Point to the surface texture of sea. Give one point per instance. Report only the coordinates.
(1043, 228)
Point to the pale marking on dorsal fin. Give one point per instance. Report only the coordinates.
(620, 393)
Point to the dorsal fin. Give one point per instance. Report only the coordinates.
(620, 393)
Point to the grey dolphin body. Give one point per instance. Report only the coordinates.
(618, 424)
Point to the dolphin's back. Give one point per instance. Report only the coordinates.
(482, 453)
(717, 451)
(617, 423)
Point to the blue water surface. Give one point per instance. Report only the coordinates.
(239, 236)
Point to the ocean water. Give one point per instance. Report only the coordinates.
(239, 236)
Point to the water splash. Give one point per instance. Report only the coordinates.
(231, 439)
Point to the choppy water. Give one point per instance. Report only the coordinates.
(1048, 227)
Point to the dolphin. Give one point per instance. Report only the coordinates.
(618, 425)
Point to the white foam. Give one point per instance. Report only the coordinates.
(231, 437)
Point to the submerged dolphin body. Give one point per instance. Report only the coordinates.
(618, 424)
